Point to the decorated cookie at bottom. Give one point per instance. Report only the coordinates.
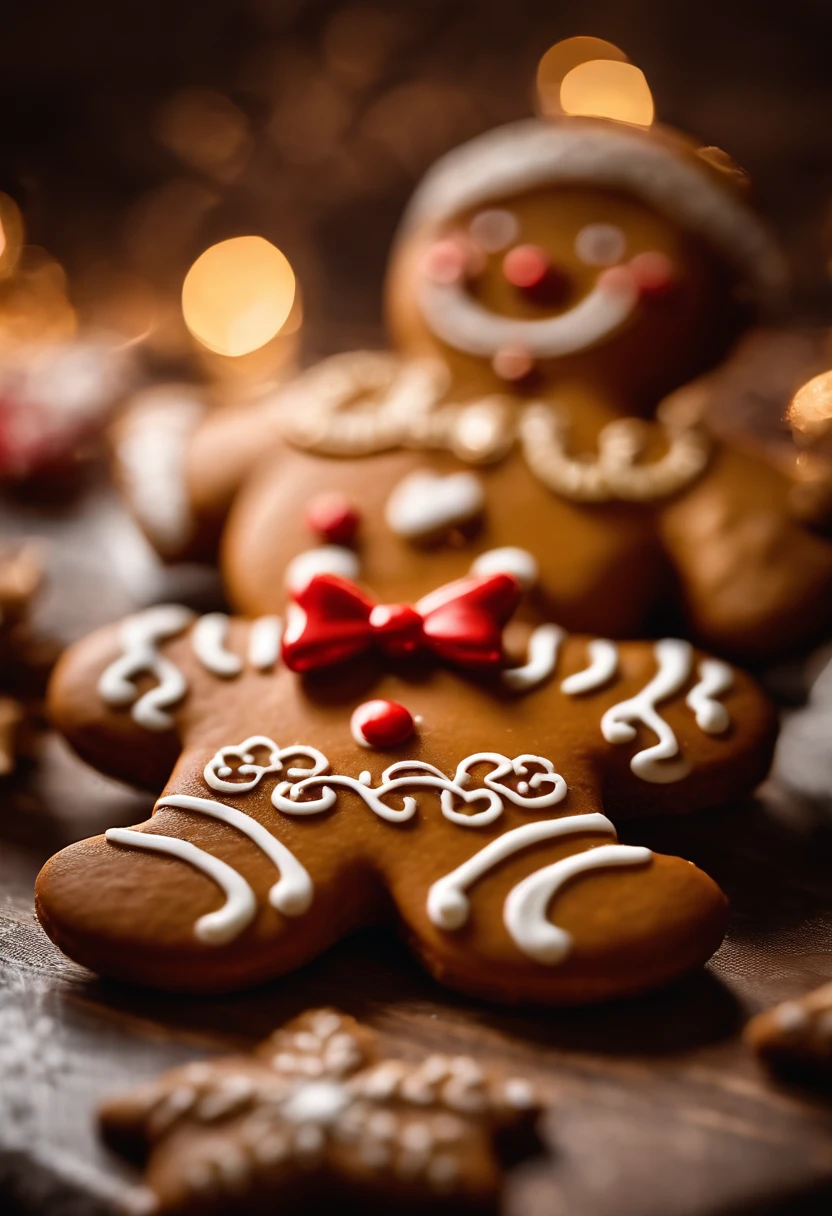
(317, 1117)
(796, 1036)
(414, 775)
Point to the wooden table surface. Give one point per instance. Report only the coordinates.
(656, 1108)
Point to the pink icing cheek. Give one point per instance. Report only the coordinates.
(451, 260)
(654, 274)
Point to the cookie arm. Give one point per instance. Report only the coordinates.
(106, 736)
(754, 579)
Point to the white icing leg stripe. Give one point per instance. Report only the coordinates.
(292, 894)
(215, 928)
(603, 664)
(140, 636)
(715, 678)
(264, 642)
(458, 319)
(674, 658)
(448, 906)
(524, 912)
(208, 641)
(544, 645)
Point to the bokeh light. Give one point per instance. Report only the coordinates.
(238, 295)
(603, 88)
(810, 412)
(11, 235)
(559, 61)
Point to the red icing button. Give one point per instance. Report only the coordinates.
(653, 273)
(381, 724)
(334, 518)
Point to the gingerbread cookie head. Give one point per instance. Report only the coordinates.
(548, 252)
(377, 763)
(316, 1118)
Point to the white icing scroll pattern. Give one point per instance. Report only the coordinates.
(544, 646)
(218, 770)
(208, 641)
(140, 636)
(416, 774)
(661, 763)
(603, 665)
(715, 679)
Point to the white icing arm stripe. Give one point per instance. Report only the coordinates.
(215, 928)
(544, 645)
(715, 678)
(292, 894)
(524, 912)
(603, 664)
(448, 906)
(208, 641)
(264, 642)
(674, 658)
(140, 636)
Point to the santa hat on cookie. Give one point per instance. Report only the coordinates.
(700, 189)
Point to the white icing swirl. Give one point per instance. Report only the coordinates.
(140, 636)
(674, 658)
(544, 645)
(603, 664)
(208, 641)
(715, 678)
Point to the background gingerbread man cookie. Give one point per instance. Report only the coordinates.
(552, 283)
(393, 766)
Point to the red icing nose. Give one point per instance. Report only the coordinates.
(526, 266)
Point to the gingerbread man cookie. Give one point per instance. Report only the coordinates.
(552, 283)
(316, 1118)
(374, 763)
(795, 1037)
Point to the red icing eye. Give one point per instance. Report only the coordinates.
(333, 518)
(381, 724)
(654, 274)
(526, 266)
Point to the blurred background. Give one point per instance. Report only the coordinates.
(137, 134)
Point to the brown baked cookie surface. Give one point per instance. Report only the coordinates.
(466, 805)
(318, 1119)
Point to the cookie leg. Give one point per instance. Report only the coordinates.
(556, 911)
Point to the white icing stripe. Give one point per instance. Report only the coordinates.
(524, 912)
(509, 560)
(424, 502)
(326, 559)
(208, 642)
(603, 664)
(674, 658)
(715, 678)
(462, 322)
(292, 893)
(140, 636)
(215, 928)
(448, 906)
(264, 642)
(544, 645)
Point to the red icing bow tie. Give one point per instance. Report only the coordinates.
(332, 620)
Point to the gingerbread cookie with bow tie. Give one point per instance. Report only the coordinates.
(412, 765)
(555, 286)
(316, 1118)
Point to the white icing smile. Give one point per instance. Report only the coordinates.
(461, 322)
